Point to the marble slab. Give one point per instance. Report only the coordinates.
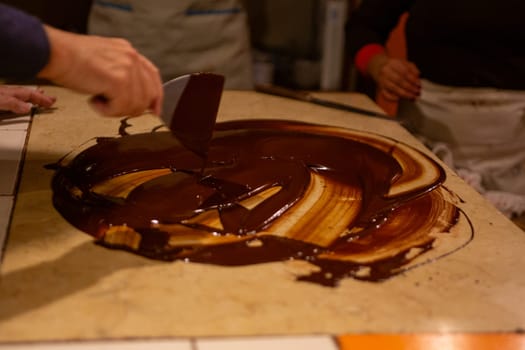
(57, 285)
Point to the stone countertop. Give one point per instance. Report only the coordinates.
(55, 284)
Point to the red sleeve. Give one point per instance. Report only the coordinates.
(365, 54)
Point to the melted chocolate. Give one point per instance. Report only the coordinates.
(193, 119)
(144, 193)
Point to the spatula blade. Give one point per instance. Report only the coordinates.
(190, 108)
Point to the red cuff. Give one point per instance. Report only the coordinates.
(365, 54)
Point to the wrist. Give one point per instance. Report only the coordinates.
(375, 65)
(59, 54)
(365, 56)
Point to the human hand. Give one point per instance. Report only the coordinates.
(121, 81)
(20, 99)
(396, 78)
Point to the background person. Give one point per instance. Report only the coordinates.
(462, 88)
(182, 36)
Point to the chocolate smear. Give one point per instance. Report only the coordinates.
(354, 204)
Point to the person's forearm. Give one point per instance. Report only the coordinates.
(25, 46)
(59, 54)
(375, 64)
(365, 55)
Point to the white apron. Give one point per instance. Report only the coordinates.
(480, 133)
(182, 36)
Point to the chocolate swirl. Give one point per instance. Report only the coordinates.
(354, 204)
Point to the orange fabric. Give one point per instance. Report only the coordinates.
(433, 341)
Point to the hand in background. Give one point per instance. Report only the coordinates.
(122, 81)
(396, 78)
(20, 99)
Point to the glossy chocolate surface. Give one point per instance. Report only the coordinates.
(193, 120)
(353, 204)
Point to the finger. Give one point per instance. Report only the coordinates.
(132, 86)
(400, 86)
(399, 74)
(403, 67)
(31, 95)
(158, 91)
(130, 98)
(40, 99)
(394, 88)
(121, 95)
(413, 78)
(145, 86)
(408, 71)
(154, 93)
(413, 69)
(409, 87)
(13, 104)
(156, 105)
(140, 81)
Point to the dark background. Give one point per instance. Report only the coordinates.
(69, 15)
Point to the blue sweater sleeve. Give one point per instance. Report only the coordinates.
(24, 44)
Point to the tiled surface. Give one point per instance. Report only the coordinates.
(266, 343)
(11, 148)
(251, 343)
(349, 342)
(13, 133)
(13, 122)
(6, 205)
(112, 345)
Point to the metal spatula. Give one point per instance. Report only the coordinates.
(190, 108)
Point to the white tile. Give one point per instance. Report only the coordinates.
(268, 343)
(107, 345)
(14, 122)
(11, 148)
(6, 205)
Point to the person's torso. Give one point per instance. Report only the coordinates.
(469, 42)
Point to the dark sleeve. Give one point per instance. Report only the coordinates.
(25, 46)
(372, 22)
